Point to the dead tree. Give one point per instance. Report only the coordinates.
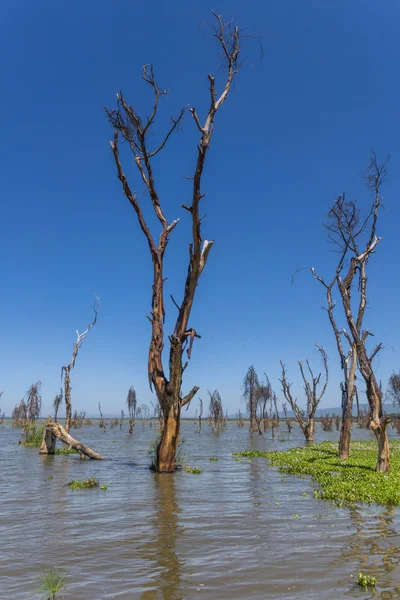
(54, 431)
(102, 423)
(19, 414)
(275, 420)
(216, 417)
(263, 396)
(66, 370)
(393, 391)
(129, 127)
(355, 237)
(131, 402)
(288, 423)
(121, 421)
(57, 403)
(33, 402)
(239, 419)
(306, 418)
(251, 387)
(200, 413)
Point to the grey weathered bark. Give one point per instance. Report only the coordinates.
(66, 370)
(129, 126)
(306, 418)
(54, 431)
(356, 239)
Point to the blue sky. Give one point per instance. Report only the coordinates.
(295, 132)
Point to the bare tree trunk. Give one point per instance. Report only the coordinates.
(166, 451)
(67, 400)
(348, 389)
(383, 462)
(48, 445)
(309, 430)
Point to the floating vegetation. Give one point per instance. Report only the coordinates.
(52, 581)
(344, 482)
(214, 458)
(366, 581)
(296, 516)
(66, 451)
(85, 484)
(104, 487)
(193, 470)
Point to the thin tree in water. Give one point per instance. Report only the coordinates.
(56, 404)
(66, 370)
(306, 418)
(131, 402)
(216, 417)
(354, 235)
(130, 127)
(251, 387)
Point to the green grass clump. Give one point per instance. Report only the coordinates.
(66, 451)
(366, 581)
(32, 435)
(344, 482)
(85, 484)
(52, 581)
(214, 458)
(193, 470)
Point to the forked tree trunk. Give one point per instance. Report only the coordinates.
(166, 451)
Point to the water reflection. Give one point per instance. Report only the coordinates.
(162, 549)
(375, 548)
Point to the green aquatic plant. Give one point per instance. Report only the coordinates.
(32, 435)
(214, 458)
(66, 451)
(52, 581)
(85, 484)
(344, 482)
(366, 581)
(193, 470)
(50, 477)
(104, 487)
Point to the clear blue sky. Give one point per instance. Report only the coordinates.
(295, 132)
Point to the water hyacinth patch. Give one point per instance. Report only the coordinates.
(344, 482)
(66, 451)
(193, 470)
(85, 484)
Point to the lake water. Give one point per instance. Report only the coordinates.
(228, 533)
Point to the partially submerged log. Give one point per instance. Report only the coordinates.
(54, 431)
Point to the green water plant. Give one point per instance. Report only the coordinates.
(193, 470)
(214, 458)
(366, 581)
(85, 484)
(32, 435)
(344, 482)
(104, 487)
(52, 581)
(64, 451)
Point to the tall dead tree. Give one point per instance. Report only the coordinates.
(137, 133)
(216, 417)
(66, 370)
(251, 391)
(306, 418)
(131, 402)
(354, 235)
(33, 402)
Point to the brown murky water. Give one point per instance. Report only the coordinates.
(228, 533)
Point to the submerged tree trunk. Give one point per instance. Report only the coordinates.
(55, 430)
(348, 390)
(166, 450)
(309, 430)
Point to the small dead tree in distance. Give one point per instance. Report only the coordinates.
(251, 387)
(57, 403)
(216, 417)
(130, 127)
(131, 402)
(263, 396)
(66, 370)
(306, 418)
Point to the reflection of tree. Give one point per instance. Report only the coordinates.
(161, 550)
(375, 548)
